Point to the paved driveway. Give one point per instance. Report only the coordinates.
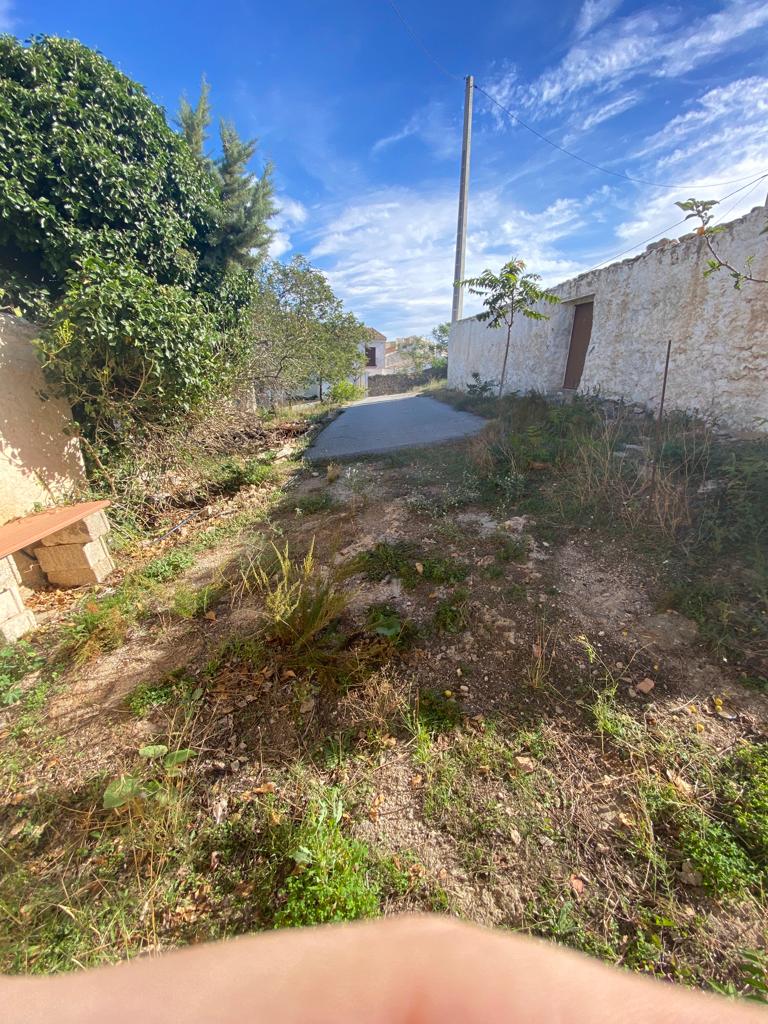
(393, 421)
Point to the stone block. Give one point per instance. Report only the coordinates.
(91, 528)
(96, 573)
(30, 572)
(11, 603)
(14, 628)
(9, 574)
(73, 565)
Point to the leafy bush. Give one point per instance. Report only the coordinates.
(481, 388)
(345, 391)
(89, 166)
(127, 350)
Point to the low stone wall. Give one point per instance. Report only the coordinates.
(396, 383)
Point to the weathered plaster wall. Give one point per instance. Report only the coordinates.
(719, 361)
(38, 462)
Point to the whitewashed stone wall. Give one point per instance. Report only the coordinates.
(719, 361)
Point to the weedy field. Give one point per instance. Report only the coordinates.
(512, 680)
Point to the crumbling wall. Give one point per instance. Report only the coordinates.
(40, 463)
(719, 360)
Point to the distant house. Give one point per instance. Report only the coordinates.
(375, 352)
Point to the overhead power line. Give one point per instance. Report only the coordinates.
(598, 167)
(421, 44)
(539, 135)
(611, 259)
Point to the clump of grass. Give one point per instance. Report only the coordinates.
(707, 845)
(191, 602)
(433, 712)
(452, 614)
(329, 877)
(313, 504)
(174, 688)
(99, 626)
(300, 600)
(743, 798)
(513, 549)
(232, 474)
(406, 562)
(167, 567)
(302, 607)
(16, 662)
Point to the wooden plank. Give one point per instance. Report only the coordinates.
(20, 533)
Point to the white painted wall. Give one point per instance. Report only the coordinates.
(719, 361)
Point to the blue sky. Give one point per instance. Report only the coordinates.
(364, 129)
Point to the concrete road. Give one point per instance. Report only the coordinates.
(390, 422)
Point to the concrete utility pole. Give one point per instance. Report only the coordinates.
(461, 230)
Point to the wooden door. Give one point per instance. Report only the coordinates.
(581, 332)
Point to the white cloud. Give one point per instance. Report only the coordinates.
(653, 43)
(609, 110)
(7, 20)
(593, 13)
(291, 215)
(389, 253)
(433, 126)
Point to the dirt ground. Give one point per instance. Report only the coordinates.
(501, 755)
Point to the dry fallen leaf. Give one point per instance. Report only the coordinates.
(265, 787)
(527, 764)
(577, 884)
(645, 685)
(373, 810)
(683, 787)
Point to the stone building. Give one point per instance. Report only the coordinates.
(610, 331)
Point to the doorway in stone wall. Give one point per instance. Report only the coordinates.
(581, 332)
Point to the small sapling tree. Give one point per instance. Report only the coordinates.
(507, 294)
(701, 210)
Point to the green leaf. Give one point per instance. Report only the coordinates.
(153, 751)
(122, 791)
(177, 758)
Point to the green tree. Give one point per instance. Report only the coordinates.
(507, 294)
(242, 234)
(195, 121)
(89, 166)
(301, 334)
(417, 350)
(440, 335)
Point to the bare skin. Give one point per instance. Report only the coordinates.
(397, 971)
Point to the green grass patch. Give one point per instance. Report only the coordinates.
(452, 614)
(17, 661)
(406, 562)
